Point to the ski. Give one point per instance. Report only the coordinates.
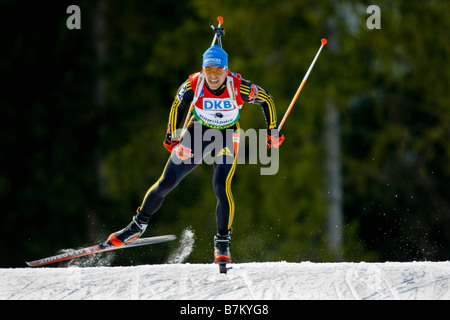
(76, 253)
(223, 267)
(223, 264)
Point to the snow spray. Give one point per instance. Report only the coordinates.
(186, 247)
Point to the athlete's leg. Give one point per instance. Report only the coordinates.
(180, 163)
(224, 168)
(172, 175)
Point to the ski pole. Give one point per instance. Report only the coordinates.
(324, 41)
(217, 32)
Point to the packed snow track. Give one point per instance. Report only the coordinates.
(260, 281)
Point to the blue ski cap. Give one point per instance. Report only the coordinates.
(215, 57)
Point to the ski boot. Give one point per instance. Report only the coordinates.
(131, 232)
(222, 254)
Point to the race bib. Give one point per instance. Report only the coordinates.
(216, 113)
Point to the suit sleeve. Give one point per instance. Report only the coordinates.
(181, 102)
(252, 93)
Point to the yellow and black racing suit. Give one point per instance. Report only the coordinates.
(194, 146)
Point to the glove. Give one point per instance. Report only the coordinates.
(275, 140)
(168, 143)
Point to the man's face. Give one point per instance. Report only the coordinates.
(214, 77)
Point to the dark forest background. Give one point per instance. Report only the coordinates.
(364, 171)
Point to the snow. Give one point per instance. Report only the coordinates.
(245, 281)
(91, 278)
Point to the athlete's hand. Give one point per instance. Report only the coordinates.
(169, 144)
(275, 140)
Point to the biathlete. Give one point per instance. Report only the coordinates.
(216, 96)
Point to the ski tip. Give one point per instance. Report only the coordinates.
(220, 19)
(324, 41)
(31, 263)
(171, 237)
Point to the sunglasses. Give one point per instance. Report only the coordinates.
(210, 70)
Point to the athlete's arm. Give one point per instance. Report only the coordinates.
(252, 93)
(255, 94)
(182, 101)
